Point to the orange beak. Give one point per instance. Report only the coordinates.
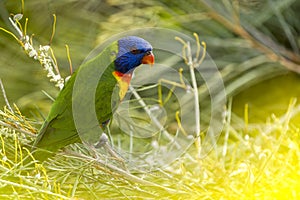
(148, 58)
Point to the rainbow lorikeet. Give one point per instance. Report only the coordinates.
(123, 57)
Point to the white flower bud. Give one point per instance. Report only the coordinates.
(32, 53)
(18, 17)
(26, 46)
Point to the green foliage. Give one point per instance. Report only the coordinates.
(244, 38)
(250, 41)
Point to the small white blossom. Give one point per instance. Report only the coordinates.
(56, 77)
(4, 158)
(38, 176)
(46, 47)
(190, 137)
(26, 46)
(154, 108)
(49, 75)
(18, 17)
(32, 53)
(47, 61)
(247, 137)
(26, 38)
(67, 78)
(188, 89)
(154, 144)
(42, 55)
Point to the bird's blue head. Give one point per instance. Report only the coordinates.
(133, 51)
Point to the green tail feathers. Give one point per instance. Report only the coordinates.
(50, 140)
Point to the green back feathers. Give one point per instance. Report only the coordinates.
(93, 77)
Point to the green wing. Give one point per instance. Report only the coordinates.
(59, 128)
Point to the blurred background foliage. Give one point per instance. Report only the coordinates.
(254, 43)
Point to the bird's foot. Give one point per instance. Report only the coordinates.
(104, 142)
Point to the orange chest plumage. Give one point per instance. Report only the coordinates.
(123, 81)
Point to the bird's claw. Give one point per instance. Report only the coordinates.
(102, 141)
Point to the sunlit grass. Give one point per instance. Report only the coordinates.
(261, 162)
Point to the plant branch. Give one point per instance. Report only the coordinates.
(17, 128)
(293, 61)
(30, 188)
(196, 97)
(103, 164)
(5, 97)
(192, 64)
(47, 60)
(154, 119)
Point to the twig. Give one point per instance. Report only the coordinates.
(246, 117)
(227, 129)
(187, 56)
(17, 129)
(53, 29)
(196, 99)
(113, 168)
(47, 60)
(284, 122)
(48, 95)
(69, 59)
(20, 34)
(154, 119)
(174, 85)
(35, 189)
(5, 97)
(179, 123)
(104, 142)
(286, 58)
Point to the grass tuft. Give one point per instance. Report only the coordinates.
(261, 162)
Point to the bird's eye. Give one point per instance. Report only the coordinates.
(135, 51)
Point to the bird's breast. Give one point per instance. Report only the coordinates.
(123, 81)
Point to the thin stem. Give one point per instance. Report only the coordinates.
(204, 52)
(54, 61)
(286, 58)
(69, 59)
(227, 129)
(47, 61)
(53, 29)
(16, 27)
(22, 6)
(25, 26)
(131, 143)
(196, 98)
(179, 123)
(19, 25)
(10, 33)
(246, 117)
(198, 45)
(17, 128)
(125, 174)
(34, 189)
(154, 119)
(5, 97)
(183, 48)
